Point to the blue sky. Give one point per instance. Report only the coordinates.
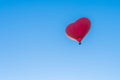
(33, 44)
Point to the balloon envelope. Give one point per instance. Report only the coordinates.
(77, 30)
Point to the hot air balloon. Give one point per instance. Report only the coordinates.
(78, 30)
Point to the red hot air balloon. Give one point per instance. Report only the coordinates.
(78, 30)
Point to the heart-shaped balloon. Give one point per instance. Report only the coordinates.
(78, 30)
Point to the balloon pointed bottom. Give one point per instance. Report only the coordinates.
(79, 43)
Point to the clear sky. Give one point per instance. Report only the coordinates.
(33, 44)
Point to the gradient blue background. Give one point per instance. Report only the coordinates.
(33, 44)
